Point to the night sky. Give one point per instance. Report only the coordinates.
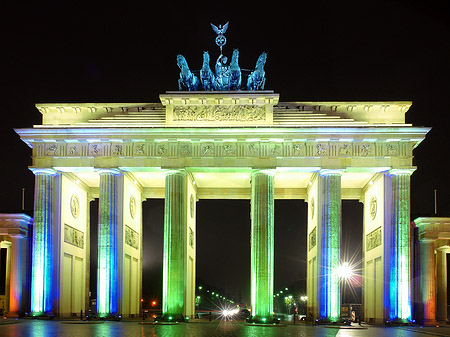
(117, 52)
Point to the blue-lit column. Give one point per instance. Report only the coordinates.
(108, 236)
(42, 249)
(397, 247)
(174, 257)
(329, 253)
(262, 245)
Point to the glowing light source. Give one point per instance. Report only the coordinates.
(345, 271)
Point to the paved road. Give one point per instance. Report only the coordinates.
(37, 328)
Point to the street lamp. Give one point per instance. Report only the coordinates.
(288, 301)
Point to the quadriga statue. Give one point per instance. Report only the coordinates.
(257, 78)
(206, 75)
(235, 71)
(187, 79)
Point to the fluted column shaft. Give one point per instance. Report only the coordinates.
(15, 290)
(262, 244)
(174, 266)
(441, 278)
(428, 281)
(399, 247)
(107, 278)
(42, 254)
(330, 244)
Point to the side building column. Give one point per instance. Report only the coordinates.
(441, 277)
(108, 244)
(42, 247)
(398, 246)
(329, 244)
(16, 275)
(174, 265)
(262, 245)
(428, 281)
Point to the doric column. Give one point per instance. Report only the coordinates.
(15, 284)
(441, 278)
(262, 249)
(428, 281)
(7, 245)
(174, 268)
(108, 236)
(42, 249)
(398, 246)
(329, 247)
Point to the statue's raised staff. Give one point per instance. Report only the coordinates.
(221, 40)
(257, 79)
(206, 75)
(187, 79)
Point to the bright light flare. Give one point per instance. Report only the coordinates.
(345, 271)
(229, 313)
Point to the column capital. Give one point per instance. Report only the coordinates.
(326, 172)
(113, 171)
(175, 171)
(270, 172)
(443, 249)
(46, 171)
(427, 240)
(403, 171)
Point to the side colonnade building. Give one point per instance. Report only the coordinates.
(219, 145)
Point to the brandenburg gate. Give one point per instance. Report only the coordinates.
(218, 145)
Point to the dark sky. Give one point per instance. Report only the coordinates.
(126, 52)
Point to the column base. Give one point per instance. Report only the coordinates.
(14, 314)
(430, 322)
(398, 321)
(263, 320)
(109, 317)
(41, 315)
(326, 321)
(172, 318)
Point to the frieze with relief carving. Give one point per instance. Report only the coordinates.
(237, 148)
(220, 113)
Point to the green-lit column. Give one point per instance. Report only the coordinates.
(42, 250)
(262, 233)
(175, 218)
(398, 245)
(330, 244)
(108, 236)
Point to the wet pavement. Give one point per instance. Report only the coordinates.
(40, 328)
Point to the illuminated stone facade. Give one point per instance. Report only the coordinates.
(222, 145)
